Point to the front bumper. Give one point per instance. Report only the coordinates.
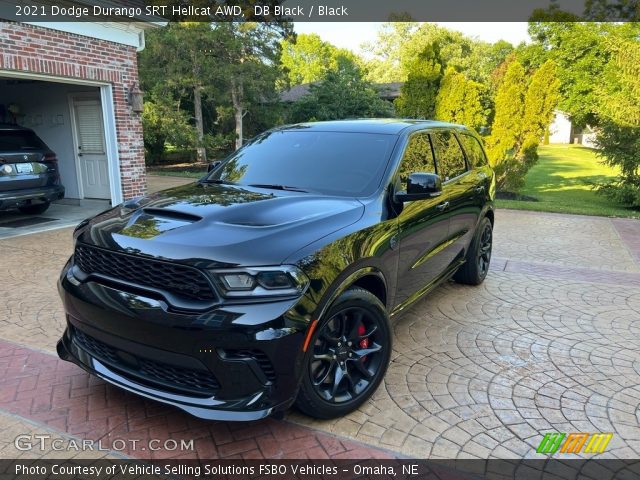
(238, 362)
(20, 198)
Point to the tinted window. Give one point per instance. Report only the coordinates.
(449, 155)
(474, 151)
(418, 157)
(12, 140)
(333, 163)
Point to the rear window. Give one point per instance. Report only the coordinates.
(449, 156)
(17, 140)
(475, 154)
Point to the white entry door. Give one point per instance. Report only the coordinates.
(91, 155)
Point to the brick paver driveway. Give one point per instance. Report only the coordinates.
(548, 343)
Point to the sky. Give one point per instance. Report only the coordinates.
(353, 35)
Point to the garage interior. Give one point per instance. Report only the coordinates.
(69, 119)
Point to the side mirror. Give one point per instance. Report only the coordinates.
(213, 165)
(421, 186)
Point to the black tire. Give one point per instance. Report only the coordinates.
(35, 209)
(365, 318)
(478, 259)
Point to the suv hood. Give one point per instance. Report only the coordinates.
(221, 225)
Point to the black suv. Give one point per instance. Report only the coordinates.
(273, 279)
(29, 178)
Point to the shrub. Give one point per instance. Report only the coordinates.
(619, 146)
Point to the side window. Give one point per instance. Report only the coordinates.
(418, 157)
(449, 155)
(474, 151)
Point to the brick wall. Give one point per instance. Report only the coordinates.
(27, 48)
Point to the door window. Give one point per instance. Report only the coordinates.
(89, 127)
(449, 155)
(418, 157)
(474, 151)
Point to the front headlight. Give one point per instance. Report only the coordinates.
(284, 280)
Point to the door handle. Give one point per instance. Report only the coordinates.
(443, 206)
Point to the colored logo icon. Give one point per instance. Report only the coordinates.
(574, 443)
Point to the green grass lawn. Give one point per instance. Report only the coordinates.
(561, 181)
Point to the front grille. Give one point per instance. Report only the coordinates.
(180, 280)
(183, 380)
(259, 356)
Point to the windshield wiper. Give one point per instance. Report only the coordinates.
(217, 181)
(277, 187)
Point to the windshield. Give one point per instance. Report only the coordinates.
(331, 163)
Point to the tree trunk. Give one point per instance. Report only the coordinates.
(197, 105)
(236, 97)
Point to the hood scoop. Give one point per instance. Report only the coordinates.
(171, 214)
(152, 222)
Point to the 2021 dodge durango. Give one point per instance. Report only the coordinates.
(29, 176)
(273, 279)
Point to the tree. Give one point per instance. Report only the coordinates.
(385, 64)
(342, 93)
(459, 100)
(524, 111)
(307, 58)
(619, 131)
(581, 55)
(399, 44)
(619, 94)
(507, 127)
(619, 146)
(539, 104)
(164, 122)
(249, 54)
(174, 70)
(418, 94)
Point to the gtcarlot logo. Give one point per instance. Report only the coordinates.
(573, 443)
(45, 442)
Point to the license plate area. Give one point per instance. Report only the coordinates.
(24, 168)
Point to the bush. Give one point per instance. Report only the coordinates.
(619, 146)
(342, 93)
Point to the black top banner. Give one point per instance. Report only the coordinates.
(318, 10)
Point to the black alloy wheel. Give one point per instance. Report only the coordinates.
(484, 250)
(347, 357)
(478, 258)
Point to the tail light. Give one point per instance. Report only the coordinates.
(52, 160)
(50, 157)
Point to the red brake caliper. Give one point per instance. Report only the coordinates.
(364, 343)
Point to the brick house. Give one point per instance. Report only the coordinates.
(72, 83)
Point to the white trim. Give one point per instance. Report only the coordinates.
(50, 78)
(74, 135)
(117, 32)
(111, 142)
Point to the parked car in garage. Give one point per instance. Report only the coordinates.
(274, 278)
(29, 177)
